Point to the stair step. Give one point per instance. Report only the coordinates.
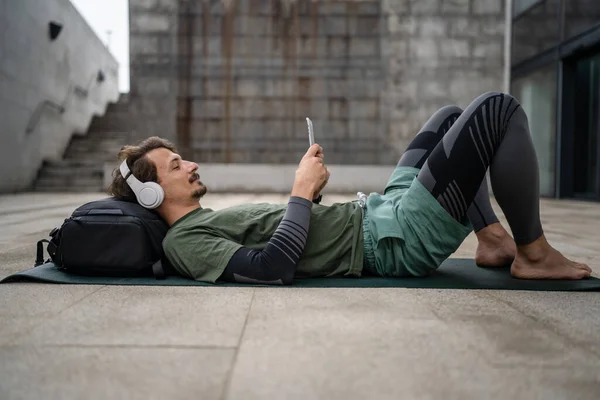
(79, 184)
(110, 124)
(70, 184)
(101, 137)
(53, 188)
(96, 156)
(108, 134)
(51, 173)
(96, 159)
(82, 166)
(97, 142)
(118, 108)
(104, 147)
(121, 104)
(68, 163)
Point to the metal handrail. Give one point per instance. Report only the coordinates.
(61, 108)
(35, 117)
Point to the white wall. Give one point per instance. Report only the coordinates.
(267, 178)
(34, 69)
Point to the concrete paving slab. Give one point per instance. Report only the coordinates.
(127, 315)
(507, 329)
(25, 306)
(113, 373)
(526, 343)
(400, 343)
(31, 201)
(17, 257)
(341, 343)
(508, 332)
(573, 316)
(450, 304)
(298, 343)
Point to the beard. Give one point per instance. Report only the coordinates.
(200, 192)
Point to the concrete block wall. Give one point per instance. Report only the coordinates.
(248, 74)
(153, 56)
(48, 89)
(439, 52)
(232, 81)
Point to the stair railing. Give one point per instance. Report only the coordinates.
(61, 107)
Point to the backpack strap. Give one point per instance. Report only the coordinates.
(158, 270)
(39, 258)
(52, 251)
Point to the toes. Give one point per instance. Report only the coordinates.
(581, 271)
(583, 274)
(584, 267)
(588, 269)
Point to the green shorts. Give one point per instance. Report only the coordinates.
(406, 231)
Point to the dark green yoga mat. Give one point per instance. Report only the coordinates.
(455, 273)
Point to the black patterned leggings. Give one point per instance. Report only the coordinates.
(454, 150)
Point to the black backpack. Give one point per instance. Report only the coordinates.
(109, 237)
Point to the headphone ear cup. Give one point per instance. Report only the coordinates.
(151, 196)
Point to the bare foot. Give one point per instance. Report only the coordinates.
(539, 260)
(496, 247)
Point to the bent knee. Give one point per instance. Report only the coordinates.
(506, 110)
(448, 110)
(492, 94)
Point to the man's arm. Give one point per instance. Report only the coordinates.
(276, 264)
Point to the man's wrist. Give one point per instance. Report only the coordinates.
(317, 199)
(304, 191)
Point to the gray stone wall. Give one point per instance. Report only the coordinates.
(48, 89)
(234, 82)
(154, 56)
(439, 52)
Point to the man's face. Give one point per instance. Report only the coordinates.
(178, 178)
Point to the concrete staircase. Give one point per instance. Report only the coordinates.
(82, 166)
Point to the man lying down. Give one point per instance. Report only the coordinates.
(435, 197)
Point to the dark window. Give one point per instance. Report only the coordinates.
(537, 94)
(586, 132)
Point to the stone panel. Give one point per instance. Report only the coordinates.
(370, 70)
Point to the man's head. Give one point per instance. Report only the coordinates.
(156, 160)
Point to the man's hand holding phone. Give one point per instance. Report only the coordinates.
(311, 175)
(311, 141)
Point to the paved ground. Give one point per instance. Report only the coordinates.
(98, 342)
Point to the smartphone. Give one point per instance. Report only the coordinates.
(311, 133)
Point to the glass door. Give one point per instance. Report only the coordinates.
(586, 132)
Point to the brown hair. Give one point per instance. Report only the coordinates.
(142, 168)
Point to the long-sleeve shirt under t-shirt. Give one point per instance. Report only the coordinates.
(201, 244)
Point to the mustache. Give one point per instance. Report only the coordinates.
(194, 177)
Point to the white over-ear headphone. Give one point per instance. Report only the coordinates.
(149, 194)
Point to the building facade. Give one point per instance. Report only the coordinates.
(555, 74)
(55, 75)
(232, 81)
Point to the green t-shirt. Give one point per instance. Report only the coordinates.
(200, 244)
